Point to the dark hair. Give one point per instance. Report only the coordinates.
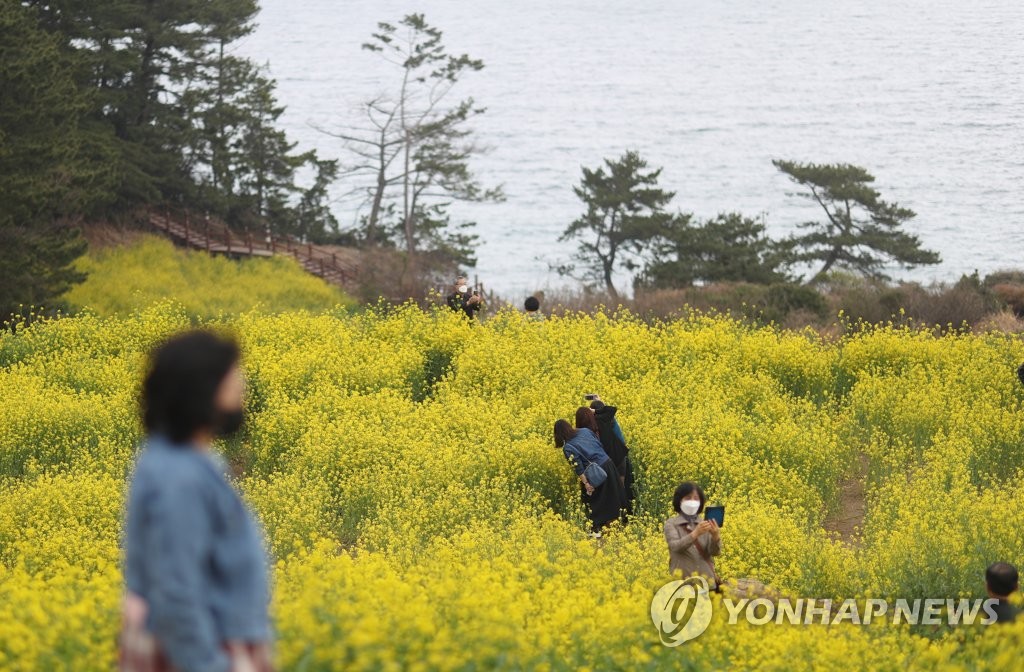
(180, 388)
(597, 404)
(532, 304)
(1020, 373)
(585, 418)
(685, 489)
(1001, 578)
(563, 432)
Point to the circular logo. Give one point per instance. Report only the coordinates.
(681, 610)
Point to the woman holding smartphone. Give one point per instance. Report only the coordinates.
(692, 542)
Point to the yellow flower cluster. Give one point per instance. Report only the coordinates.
(420, 518)
(126, 278)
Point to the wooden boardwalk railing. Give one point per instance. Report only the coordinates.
(215, 237)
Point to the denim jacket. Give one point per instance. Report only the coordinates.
(194, 552)
(583, 449)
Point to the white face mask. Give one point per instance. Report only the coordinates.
(463, 289)
(689, 506)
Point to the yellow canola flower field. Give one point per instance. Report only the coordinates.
(129, 277)
(419, 516)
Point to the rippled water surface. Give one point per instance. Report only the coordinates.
(927, 95)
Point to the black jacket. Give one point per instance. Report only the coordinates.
(457, 301)
(1005, 612)
(613, 445)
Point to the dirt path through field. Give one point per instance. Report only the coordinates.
(850, 515)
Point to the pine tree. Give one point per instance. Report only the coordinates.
(727, 248)
(49, 172)
(861, 232)
(265, 166)
(313, 216)
(416, 149)
(625, 214)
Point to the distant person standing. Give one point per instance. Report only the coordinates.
(195, 566)
(1001, 581)
(462, 299)
(532, 307)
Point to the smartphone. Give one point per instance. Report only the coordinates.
(590, 397)
(715, 513)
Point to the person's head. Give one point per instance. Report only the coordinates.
(585, 418)
(563, 433)
(688, 492)
(1001, 579)
(597, 404)
(532, 304)
(194, 386)
(461, 284)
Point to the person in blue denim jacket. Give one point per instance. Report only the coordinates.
(195, 564)
(605, 502)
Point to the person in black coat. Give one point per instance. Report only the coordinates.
(463, 300)
(614, 444)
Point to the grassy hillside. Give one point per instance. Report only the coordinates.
(123, 279)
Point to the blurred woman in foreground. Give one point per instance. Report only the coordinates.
(195, 565)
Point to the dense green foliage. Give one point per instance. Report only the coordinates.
(53, 166)
(115, 105)
(727, 248)
(181, 118)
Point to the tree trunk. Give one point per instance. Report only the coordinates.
(147, 79)
(410, 241)
(407, 219)
(216, 156)
(820, 275)
(378, 198)
(378, 195)
(608, 285)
